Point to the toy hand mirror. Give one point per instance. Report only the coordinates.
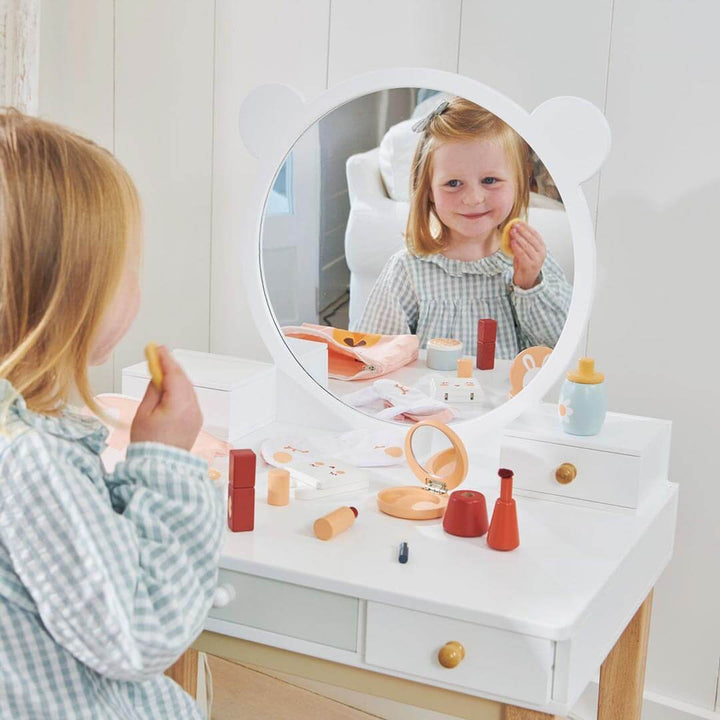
(438, 458)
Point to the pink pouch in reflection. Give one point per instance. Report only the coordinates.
(358, 356)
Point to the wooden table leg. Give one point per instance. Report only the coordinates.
(510, 712)
(622, 675)
(185, 672)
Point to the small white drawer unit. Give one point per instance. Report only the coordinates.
(236, 396)
(618, 467)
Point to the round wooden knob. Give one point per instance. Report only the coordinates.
(566, 473)
(451, 654)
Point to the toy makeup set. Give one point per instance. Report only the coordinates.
(464, 512)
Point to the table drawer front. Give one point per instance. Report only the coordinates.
(603, 477)
(293, 610)
(496, 661)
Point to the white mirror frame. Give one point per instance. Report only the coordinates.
(272, 139)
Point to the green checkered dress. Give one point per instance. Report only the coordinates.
(433, 296)
(105, 579)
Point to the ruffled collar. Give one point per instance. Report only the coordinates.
(494, 264)
(70, 424)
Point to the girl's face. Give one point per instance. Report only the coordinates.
(472, 188)
(123, 308)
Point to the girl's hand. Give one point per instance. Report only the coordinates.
(528, 254)
(171, 415)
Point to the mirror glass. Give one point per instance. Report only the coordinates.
(433, 452)
(378, 288)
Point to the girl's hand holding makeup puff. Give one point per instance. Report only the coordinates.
(528, 254)
(170, 415)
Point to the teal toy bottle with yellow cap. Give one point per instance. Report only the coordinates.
(583, 401)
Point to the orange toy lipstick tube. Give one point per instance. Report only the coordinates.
(334, 523)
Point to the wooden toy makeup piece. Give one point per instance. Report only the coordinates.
(154, 367)
(486, 337)
(465, 367)
(442, 472)
(241, 490)
(332, 524)
(526, 365)
(278, 487)
(505, 237)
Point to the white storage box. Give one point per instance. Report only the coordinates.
(618, 467)
(236, 396)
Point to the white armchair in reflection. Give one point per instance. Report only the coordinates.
(376, 224)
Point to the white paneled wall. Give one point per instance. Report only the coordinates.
(76, 83)
(167, 100)
(279, 42)
(137, 78)
(374, 34)
(533, 51)
(163, 135)
(655, 327)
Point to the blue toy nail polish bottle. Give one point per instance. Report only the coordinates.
(583, 400)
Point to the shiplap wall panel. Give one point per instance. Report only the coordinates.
(252, 50)
(532, 51)
(654, 324)
(375, 34)
(75, 85)
(163, 135)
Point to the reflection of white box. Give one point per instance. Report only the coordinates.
(313, 356)
(236, 396)
(456, 389)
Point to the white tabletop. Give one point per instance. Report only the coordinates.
(567, 554)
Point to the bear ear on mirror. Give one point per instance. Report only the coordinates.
(575, 133)
(268, 116)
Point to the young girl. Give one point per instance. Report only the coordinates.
(105, 579)
(469, 178)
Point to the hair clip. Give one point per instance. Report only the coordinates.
(422, 125)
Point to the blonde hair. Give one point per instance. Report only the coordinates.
(67, 212)
(462, 120)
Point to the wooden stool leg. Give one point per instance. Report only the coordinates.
(622, 675)
(185, 672)
(510, 712)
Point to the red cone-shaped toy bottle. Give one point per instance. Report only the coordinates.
(503, 533)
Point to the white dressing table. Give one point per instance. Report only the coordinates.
(536, 623)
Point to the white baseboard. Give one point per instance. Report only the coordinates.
(655, 707)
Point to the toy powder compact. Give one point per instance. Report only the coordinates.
(440, 473)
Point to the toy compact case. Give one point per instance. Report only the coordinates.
(439, 474)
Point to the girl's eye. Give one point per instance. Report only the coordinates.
(489, 180)
(453, 183)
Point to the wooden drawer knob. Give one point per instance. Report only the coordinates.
(566, 473)
(451, 654)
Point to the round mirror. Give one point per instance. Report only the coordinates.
(432, 455)
(380, 245)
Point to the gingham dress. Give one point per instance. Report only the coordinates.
(104, 578)
(433, 296)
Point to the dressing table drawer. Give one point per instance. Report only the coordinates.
(600, 476)
(495, 661)
(620, 466)
(286, 609)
